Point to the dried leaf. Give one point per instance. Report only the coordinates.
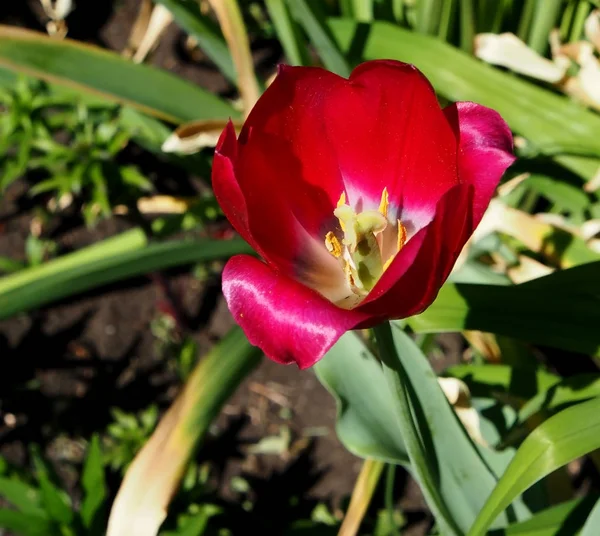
(507, 50)
(57, 9)
(592, 28)
(139, 28)
(527, 269)
(192, 137)
(160, 19)
(459, 396)
(485, 344)
(233, 28)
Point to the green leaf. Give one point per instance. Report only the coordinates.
(309, 16)
(108, 261)
(94, 486)
(368, 424)
(366, 419)
(56, 501)
(537, 114)
(208, 35)
(562, 393)
(564, 437)
(288, 33)
(21, 496)
(593, 522)
(84, 68)
(560, 310)
(25, 524)
(565, 518)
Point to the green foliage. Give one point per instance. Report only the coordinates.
(42, 507)
(71, 148)
(126, 435)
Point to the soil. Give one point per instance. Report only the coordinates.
(68, 364)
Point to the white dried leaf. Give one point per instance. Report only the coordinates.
(57, 10)
(507, 50)
(592, 28)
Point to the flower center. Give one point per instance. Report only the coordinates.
(362, 250)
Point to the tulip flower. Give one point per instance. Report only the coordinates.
(358, 195)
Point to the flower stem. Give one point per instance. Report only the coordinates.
(399, 383)
(389, 498)
(361, 496)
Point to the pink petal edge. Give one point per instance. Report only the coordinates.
(287, 320)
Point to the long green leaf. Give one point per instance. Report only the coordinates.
(564, 437)
(560, 310)
(565, 518)
(105, 74)
(56, 502)
(208, 35)
(538, 114)
(103, 263)
(567, 391)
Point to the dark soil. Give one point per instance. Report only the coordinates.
(66, 365)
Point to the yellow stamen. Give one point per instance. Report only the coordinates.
(385, 202)
(360, 248)
(333, 245)
(401, 235)
(401, 240)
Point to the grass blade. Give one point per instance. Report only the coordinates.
(188, 16)
(294, 47)
(309, 16)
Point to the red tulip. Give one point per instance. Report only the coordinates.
(358, 194)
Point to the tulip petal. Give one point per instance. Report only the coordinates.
(415, 276)
(287, 320)
(287, 124)
(388, 131)
(225, 184)
(485, 150)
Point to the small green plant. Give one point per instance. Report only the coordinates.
(40, 507)
(72, 149)
(126, 435)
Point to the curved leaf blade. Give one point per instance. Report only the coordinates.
(90, 69)
(564, 437)
(105, 262)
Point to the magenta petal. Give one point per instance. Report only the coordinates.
(288, 321)
(485, 150)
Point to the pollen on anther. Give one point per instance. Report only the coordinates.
(401, 235)
(333, 245)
